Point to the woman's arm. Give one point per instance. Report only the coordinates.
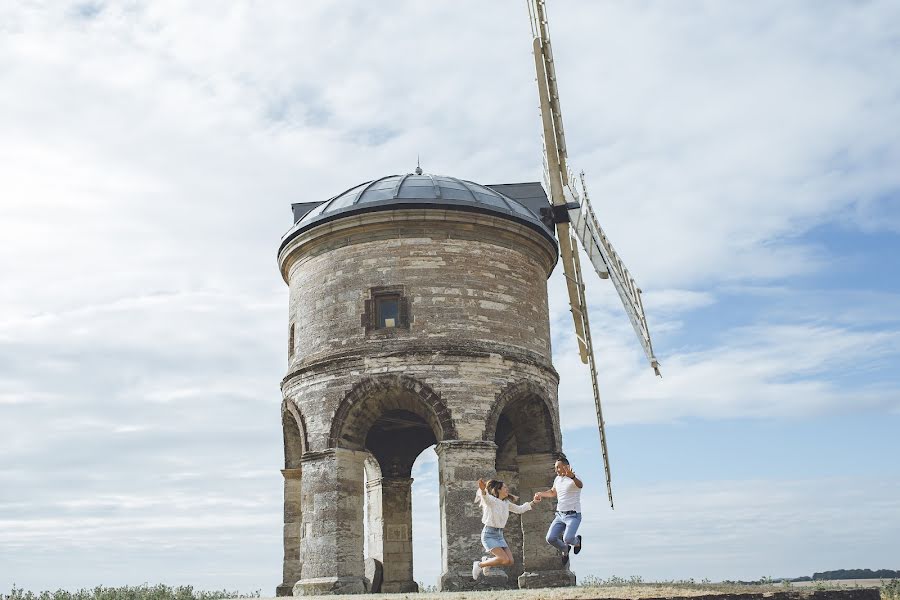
(520, 508)
(482, 495)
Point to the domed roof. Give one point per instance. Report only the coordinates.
(396, 192)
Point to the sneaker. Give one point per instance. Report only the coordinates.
(578, 545)
(476, 570)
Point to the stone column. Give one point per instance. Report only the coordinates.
(332, 530)
(292, 520)
(374, 521)
(542, 562)
(460, 464)
(513, 532)
(397, 561)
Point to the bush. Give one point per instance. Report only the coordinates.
(141, 592)
(891, 589)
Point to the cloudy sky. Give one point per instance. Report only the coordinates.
(743, 156)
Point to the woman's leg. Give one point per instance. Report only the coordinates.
(502, 557)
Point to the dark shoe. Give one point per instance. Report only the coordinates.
(565, 559)
(578, 545)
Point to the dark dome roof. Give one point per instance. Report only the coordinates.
(396, 192)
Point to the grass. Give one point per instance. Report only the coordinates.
(139, 592)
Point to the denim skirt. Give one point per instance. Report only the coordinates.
(492, 537)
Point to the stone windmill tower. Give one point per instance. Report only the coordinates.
(418, 317)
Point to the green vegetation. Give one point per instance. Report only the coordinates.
(141, 592)
(890, 590)
(853, 574)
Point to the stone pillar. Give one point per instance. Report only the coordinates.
(513, 532)
(332, 530)
(542, 562)
(460, 464)
(374, 521)
(292, 521)
(397, 560)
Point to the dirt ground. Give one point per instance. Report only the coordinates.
(624, 592)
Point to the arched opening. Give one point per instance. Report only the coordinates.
(390, 422)
(507, 467)
(395, 440)
(523, 427)
(294, 446)
(426, 514)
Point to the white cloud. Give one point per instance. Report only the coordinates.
(739, 529)
(762, 370)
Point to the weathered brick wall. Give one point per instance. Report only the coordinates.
(466, 284)
(479, 314)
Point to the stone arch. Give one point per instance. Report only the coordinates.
(374, 395)
(530, 411)
(385, 422)
(294, 428)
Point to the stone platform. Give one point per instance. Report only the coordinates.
(632, 592)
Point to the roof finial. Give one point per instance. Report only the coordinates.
(418, 166)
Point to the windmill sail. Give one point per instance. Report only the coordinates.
(601, 424)
(607, 263)
(555, 163)
(557, 177)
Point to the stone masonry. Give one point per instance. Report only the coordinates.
(471, 374)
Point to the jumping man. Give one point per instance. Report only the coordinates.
(563, 532)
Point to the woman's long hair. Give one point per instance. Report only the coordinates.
(493, 488)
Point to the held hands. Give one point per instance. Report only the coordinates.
(537, 497)
(481, 484)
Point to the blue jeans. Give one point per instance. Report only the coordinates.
(563, 530)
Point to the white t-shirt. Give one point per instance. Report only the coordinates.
(495, 512)
(568, 495)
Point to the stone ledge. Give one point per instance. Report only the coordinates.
(851, 594)
(330, 586)
(649, 592)
(445, 350)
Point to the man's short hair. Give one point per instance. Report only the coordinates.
(562, 459)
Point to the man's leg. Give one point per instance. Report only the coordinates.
(555, 533)
(571, 537)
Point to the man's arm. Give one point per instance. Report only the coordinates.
(551, 493)
(571, 475)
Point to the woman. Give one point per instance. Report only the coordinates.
(494, 498)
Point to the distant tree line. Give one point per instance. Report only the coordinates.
(851, 574)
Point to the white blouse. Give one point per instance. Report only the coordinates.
(495, 512)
